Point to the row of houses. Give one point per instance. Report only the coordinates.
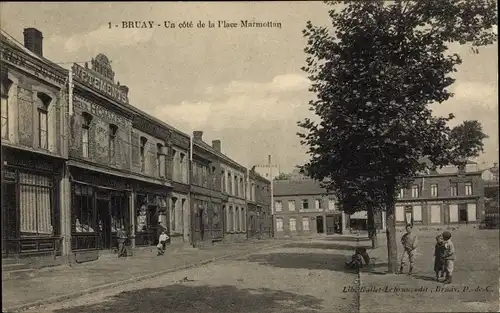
(79, 162)
(445, 197)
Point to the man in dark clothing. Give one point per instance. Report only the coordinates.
(121, 238)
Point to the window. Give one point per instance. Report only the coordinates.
(401, 193)
(243, 219)
(305, 204)
(35, 205)
(305, 223)
(160, 160)
(242, 193)
(237, 219)
(113, 129)
(291, 205)
(43, 120)
(182, 167)
(454, 190)
(229, 184)
(415, 191)
(230, 221)
(223, 180)
(87, 119)
(236, 186)
(175, 170)
(278, 205)
(293, 224)
(279, 224)
(143, 153)
(5, 85)
(331, 204)
(468, 189)
(317, 204)
(434, 190)
(82, 209)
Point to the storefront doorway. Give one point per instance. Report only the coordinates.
(9, 229)
(104, 222)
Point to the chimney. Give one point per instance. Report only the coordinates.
(198, 134)
(216, 145)
(33, 40)
(124, 89)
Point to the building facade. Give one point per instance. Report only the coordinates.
(447, 196)
(259, 215)
(33, 115)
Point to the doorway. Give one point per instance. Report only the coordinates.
(330, 225)
(9, 216)
(201, 223)
(319, 225)
(104, 222)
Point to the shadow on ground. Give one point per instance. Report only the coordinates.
(351, 239)
(183, 298)
(312, 261)
(326, 245)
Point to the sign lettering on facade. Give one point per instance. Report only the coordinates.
(150, 128)
(96, 110)
(32, 67)
(99, 83)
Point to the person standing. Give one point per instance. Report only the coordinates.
(409, 242)
(121, 238)
(439, 253)
(449, 257)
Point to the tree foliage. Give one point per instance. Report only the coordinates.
(374, 77)
(283, 176)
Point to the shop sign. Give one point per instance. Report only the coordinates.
(31, 66)
(96, 110)
(101, 84)
(30, 163)
(151, 128)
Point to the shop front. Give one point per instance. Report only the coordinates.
(30, 204)
(99, 207)
(151, 216)
(207, 219)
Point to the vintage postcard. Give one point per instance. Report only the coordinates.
(253, 157)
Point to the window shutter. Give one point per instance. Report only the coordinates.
(135, 150)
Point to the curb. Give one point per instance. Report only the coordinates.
(61, 298)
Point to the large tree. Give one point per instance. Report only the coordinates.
(374, 76)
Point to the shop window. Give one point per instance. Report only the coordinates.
(113, 129)
(82, 209)
(35, 195)
(119, 212)
(43, 120)
(143, 153)
(145, 213)
(87, 120)
(6, 85)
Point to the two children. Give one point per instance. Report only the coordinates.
(444, 261)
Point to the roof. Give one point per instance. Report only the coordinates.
(297, 187)
(221, 155)
(254, 175)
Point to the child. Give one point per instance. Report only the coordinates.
(439, 253)
(409, 242)
(357, 259)
(449, 256)
(162, 241)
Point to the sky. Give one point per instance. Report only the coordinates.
(242, 86)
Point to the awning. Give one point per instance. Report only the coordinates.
(361, 215)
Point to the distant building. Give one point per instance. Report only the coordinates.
(491, 197)
(264, 170)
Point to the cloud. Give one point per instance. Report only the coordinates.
(103, 36)
(475, 91)
(280, 83)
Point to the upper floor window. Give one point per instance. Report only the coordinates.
(434, 190)
(87, 119)
(278, 205)
(43, 120)
(401, 193)
(143, 153)
(6, 84)
(160, 164)
(305, 204)
(113, 129)
(236, 186)
(291, 205)
(454, 190)
(223, 180)
(229, 183)
(468, 189)
(415, 191)
(317, 204)
(331, 204)
(241, 187)
(182, 161)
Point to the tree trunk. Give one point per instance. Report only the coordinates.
(392, 249)
(372, 229)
